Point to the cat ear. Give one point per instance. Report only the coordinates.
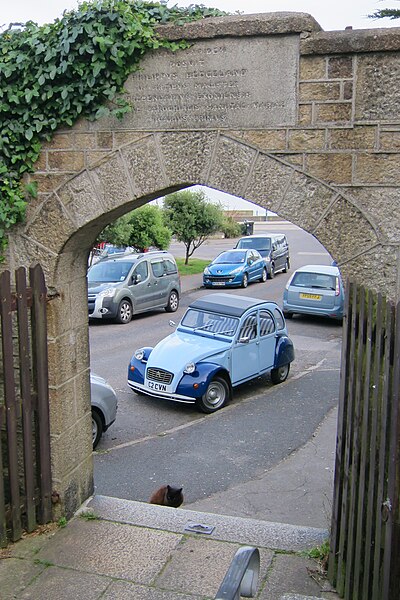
(168, 488)
(180, 489)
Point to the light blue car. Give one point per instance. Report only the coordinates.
(235, 268)
(315, 290)
(222, 341)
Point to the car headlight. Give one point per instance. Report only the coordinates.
(190, 368)
(108, 292)
(139, 354)
(206, 271)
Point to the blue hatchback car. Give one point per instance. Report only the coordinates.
(315, 290)
(223, 340)
(235, 268)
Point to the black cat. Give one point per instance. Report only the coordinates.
(167, 496)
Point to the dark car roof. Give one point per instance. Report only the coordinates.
(227, 304)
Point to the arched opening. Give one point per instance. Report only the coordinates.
(62, 229)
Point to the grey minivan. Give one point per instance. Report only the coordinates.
(273, 247)
(120, 287)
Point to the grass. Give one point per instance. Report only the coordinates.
(195, 266)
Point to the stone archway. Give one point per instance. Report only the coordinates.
(317, 149)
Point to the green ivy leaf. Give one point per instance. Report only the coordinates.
(54, 73)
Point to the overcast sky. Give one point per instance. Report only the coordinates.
(331, 15)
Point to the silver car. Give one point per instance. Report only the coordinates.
(315, 290)
(104, 406)
(119, 288)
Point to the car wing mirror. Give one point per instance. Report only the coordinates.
(137, 278)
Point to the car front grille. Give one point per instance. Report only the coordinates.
(159, 375)
(220, 278)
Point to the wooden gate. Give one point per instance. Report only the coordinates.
(364, 561)
(25, 472)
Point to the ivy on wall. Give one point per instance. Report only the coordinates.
(53, 74)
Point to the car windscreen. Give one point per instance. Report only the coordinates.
(321, 281)
(230, 258)
(109, 272)
(199, 320)
(255, 244)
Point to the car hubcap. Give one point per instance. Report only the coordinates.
(215, 394)
(125, 312)
(282, 373)
(173, 302)
(94, 430)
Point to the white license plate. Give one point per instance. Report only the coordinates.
(158, 387)
(218, 282)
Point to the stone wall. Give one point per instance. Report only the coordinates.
(266, 107)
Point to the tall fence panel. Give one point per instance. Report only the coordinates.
(25, 465)
(364, 561)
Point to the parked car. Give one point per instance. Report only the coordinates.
(120, 287)
(273, 247)
(114, 251)
(222, 341)
(104, 406)
(235, 268)
(315, 290)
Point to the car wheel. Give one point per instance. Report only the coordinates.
(280, 374)
(264, 276)
(272, 271)
(215, 396)
(97, 428)
(245, 280)
(287, 266)
(173, 302)
(125, 312)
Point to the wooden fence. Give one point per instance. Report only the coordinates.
(25, 472)
(364, 561)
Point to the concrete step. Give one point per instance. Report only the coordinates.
(275, 536)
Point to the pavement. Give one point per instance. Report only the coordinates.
(115, 549)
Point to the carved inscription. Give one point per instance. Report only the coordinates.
(243, 82)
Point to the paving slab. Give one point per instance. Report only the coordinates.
(113, 549)
(292, 574)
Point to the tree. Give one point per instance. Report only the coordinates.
(191, 218)
(390, 13)
(116, 233)
(147, 228)
(141, 228)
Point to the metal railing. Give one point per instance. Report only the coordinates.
(241, 578)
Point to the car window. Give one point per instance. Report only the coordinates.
(249, 328)
(109, 271)
(232, 257)
(314, 280)
(142, 270)
(157, 267)
(280, 321)
(267, 325)
(210, 322)
(169, 266)
(257, 243)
